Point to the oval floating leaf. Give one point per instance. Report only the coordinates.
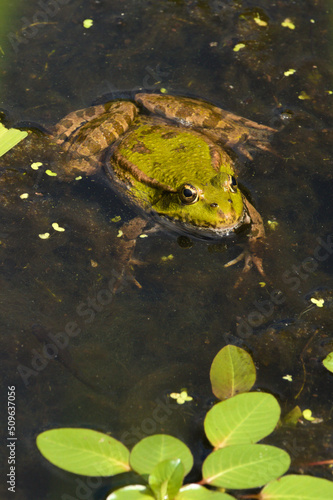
(84, 451)
(152, 450)
(134, 492)
(197, 492)
(166, 479)
(328, 362)
(232, 372)
(245, 466)
(245, 418)
(294, 487)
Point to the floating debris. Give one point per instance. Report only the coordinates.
(238, 47)
(87, 23)
(181, 396)
(317, 302)
(50, 173)
(287, 23)
(56, 227)
(44, 236)
(36, 165)
(289, 72)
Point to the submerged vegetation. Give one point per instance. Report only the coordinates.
(233, 427)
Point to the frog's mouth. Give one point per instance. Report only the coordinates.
(201, 232)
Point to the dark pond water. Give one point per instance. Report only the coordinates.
(128, 355)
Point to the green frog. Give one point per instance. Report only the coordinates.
(168, 156)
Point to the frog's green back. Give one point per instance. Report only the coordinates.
(171, 157)
(158, 159)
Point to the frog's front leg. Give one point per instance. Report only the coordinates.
(130, 231)
(251, 254)
(85, 134)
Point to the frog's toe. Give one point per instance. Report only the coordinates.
(137, 262)
(236, 260)
(135, 282)
(250, 259)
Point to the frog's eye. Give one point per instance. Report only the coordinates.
(232, 184)
(188, 194)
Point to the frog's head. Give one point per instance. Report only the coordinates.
(181, 176)
(210, 209)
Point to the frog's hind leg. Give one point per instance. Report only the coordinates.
(73, 121)
(86, 134)
(245, 135)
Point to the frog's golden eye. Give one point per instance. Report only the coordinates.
(232, 184)
(188, 194)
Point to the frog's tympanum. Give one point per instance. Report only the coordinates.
(168, 156)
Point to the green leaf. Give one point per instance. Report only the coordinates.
(9, 138)
(134, 492)
(328, 362)
(293, 416)
(166, 479)
(232, 372)
(294, 487)
(245, 466)
(84, 451)
(197, 492)
(152, 450)
(245, 418)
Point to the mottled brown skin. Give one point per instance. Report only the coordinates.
(86, 133)
(216, 123)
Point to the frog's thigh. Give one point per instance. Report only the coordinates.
(122, 111)
(71, 122)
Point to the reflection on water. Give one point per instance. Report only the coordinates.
(81, 355)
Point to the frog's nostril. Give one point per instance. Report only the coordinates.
(214, 205)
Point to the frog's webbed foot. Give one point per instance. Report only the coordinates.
(248, 147)
(251, 259)
(246, 136)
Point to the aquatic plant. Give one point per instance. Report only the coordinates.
(9, 138)
(233, 426)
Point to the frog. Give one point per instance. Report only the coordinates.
(170, 157)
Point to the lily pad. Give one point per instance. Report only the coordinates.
(294, 487)
(246, 418)
(232, 372)
(245, 466)
(84, 451)
(152, 450)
